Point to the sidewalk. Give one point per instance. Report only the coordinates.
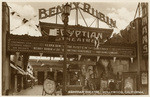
(35, 91)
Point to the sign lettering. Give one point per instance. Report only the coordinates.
(43, 13)
(58, 48)
(145, 28)
(76, 34)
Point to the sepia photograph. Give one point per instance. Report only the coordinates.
(80, 48)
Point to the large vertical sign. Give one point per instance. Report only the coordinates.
(144, 28)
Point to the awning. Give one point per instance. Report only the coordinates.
(13, 66)
(30, 75)
(21, 71)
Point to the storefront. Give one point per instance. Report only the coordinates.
(95, 67)
(17, 73)
(108, 74)
(19, 76)
(51, 69)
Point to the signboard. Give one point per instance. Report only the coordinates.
(76, 34)
(30, 69)
(32, 46)
(144, 77)
(49, 86)
(43, 13)
(129, 83)
(104, 84)
(145, 28)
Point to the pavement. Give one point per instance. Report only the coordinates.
(35, 91)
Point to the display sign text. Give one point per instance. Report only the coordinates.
(43, 13)
(30, 46)
(145, 28)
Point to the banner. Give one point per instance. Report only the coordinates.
(145, 28)
(76, 34)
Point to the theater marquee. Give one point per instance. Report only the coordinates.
(26, 44)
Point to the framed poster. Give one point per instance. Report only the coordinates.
(104, 84)
(144, 77)
(49, 86)
(129, 82)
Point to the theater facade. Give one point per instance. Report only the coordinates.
(97, 63)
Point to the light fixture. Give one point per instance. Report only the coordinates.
(40, 57)
(67, 9)
(67, 65)
(41, 54)
(114, 59)
(79, 57)
(98, 58)
(63, 17)
(76, 72)
(66, 12)
(17, 53)
(51, 69)
(42, 64)
(131, 60)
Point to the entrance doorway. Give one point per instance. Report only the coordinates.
(50, 75)
(60, 77)
(19, 82)
(40, 77)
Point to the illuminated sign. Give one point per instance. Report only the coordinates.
(43, 13)
(76, 34)
(30, 46)
(145, 28)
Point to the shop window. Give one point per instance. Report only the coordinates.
(74, 78)
(120, 66)
(74, 74)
